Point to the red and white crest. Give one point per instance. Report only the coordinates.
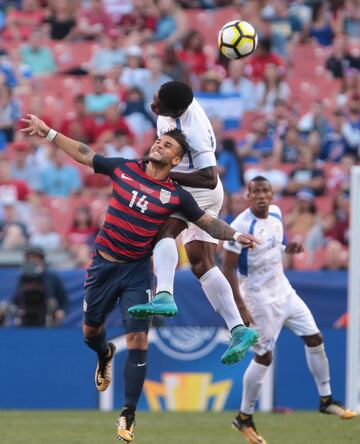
(165, 196)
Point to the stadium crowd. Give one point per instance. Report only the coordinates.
(289, 112)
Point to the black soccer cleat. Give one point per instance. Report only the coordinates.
(246, 425)
(103, 370)
(331, 407)
(125, 425)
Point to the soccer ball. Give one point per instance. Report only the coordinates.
(237, 39)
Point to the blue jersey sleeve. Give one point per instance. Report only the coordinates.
(188, 206)
(106, 165)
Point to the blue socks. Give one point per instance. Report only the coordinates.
(134, 376)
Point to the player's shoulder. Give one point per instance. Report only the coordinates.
(274, 211)
(243, 219)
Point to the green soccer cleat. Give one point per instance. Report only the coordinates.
(163, 304)
(242, 339)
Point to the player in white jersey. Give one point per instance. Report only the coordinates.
(176, 107)
(267, 301)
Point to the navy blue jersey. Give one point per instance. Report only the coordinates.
(139, 206)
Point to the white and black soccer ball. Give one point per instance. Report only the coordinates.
(237, 39)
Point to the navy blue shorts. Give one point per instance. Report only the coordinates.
(107, 282)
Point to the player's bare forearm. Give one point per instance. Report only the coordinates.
(204, 178)
(78, 151)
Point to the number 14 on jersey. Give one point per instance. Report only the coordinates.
(140, 202)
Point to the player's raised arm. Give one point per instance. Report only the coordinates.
(78, 151)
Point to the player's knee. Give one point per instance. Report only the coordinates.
(90, 331)
(265, 359)
(200, 265)
(137, 340)
(313, 340)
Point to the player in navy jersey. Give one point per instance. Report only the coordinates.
(143, 198)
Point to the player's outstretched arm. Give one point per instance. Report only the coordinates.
(78, 151)
(229, 269)
(203, 178)
(219, 229)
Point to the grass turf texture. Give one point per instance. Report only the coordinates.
(92, 427)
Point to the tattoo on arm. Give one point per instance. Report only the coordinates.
(215, 227)
(84, 149)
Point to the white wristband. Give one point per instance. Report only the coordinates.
(236, 235)
(51, 135)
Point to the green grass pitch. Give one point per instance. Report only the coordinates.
(92, 427)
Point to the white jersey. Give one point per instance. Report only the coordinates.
(261, 273)
(199, 133)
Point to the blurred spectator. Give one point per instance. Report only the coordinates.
(119, 146)
(237, 83)
(287, 149)
(40, 297)
(173, 67)
(7, 70)
(22, 166)
(193, 54)
(139, 24)
(336, 257)
(133, 72)
(172, 23)
(81, 236)
(62, 19)
(21, 23)
(110, 55)
(59, 179)
(341, 59)
(286, 28)
(83, 230)
(303, 215)
(336, 143)
(93, 21)
(112, 122)
(230, 167)
(339, 176)
(341, 210)
(12, 189)
(349, 17)
(13, 231)
(38, 57)
(306, 175)
(9, 115)
(256, 142)
(98, 102)
(137, 117)
(271, 89)
(43, 234)
(321, 28)
(315, 120)
(118, 8)
(78, 124)
(210, 82)
(281, 118)
(261, 58)
(267, 169)
(149, 79)
(350, 86)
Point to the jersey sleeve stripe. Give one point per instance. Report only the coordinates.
(243, 258)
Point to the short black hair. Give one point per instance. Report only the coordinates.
(34, 250)
(180, 138)
(258, 179)
(175, 95)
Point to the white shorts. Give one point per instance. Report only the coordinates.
(211, 202)
(269, 319)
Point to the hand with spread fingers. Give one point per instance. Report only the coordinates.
(247, 240)
(35, 126)
(294, 248)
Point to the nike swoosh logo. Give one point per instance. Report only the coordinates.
(125, 177)
(142, 365)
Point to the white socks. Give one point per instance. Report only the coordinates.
(252, 382)
(165, 259)
(220, 296)
(318, 364)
